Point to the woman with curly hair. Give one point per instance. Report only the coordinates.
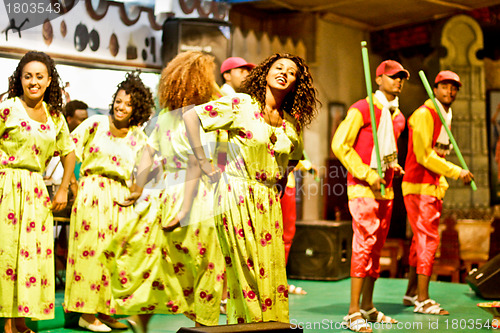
(32, 130)
(194, 259)
(264, 142)
(108, 147)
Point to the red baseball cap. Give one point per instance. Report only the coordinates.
(234, 62)
(390, 68)
(448, 76)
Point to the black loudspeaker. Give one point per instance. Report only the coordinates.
(485, 281)
(206, 35)
(321, 250)
(271, 326)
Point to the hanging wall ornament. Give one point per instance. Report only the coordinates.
(81, 37)
(47, 32)
(131, 49)
(113, 45)
(64, 28)
(94, 40)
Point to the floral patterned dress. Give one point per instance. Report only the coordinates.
(27, 281)
(247, 207)
(191, 262)
(107, 163)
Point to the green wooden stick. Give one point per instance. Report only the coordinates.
(443, 121)
(368, 79)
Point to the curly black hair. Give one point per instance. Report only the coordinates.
(53, 94)
(140, 96)
(300, 102)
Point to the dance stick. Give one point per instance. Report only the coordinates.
(452, 139)
(368, 79)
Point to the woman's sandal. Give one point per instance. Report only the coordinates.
(356, 323)
(409, 300)
(296, 290)
(433, 309)
(381, 317)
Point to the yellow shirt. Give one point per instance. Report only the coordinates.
(343, 147)
(421, 123)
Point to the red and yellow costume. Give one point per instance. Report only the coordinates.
(424, 185)
(371, 212)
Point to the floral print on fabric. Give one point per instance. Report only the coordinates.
(107, 163)
(247, 208)
(26, 242)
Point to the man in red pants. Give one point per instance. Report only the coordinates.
(424, 187)
(353, 145)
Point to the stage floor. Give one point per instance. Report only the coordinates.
(323, 308)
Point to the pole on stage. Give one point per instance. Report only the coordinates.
(443, 121)
(366, 67)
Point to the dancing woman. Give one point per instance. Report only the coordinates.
(108, 147)
(32, 130)
(264, 142)
(190, 254)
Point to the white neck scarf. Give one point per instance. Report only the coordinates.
(443, 145)
(385, 134)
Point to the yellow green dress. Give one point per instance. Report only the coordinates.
(247, 206)
(191, 263)
(27, 280)
(107, 164)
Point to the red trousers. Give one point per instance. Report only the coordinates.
(289, 210)
(370, 223)
(424, 212)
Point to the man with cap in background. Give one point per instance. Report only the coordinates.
(424, 187)
(371, 211)
(234, 70)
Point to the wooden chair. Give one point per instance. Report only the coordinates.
(390, 256)
(448, 263)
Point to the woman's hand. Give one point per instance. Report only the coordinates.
(213, 173)
(175, 222)
(131, 199)
(60, 199)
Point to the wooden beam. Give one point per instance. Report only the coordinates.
(449, 4)
(329, 16)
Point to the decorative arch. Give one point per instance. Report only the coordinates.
(463, 38)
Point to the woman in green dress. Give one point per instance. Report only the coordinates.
(185, 206)
(32, 130)
(264, 129)
(109, 147)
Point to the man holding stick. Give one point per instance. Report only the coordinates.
(353, 144)
(424, 187)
